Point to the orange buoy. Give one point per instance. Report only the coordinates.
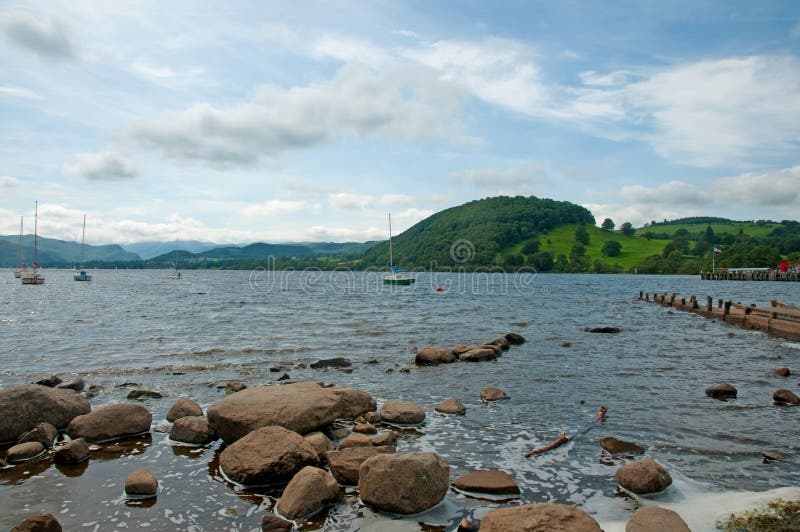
(439, 288)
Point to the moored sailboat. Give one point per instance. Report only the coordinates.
(397, 276)
(80, 273)
(33, 276)
(177, 274)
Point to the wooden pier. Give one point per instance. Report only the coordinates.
(722, 275)
(779, 319)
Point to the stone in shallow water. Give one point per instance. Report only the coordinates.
(387, 437)
(785, 397)
(515, 339)
(141, 395)
(44, 433)
(345, 464)
(539, 517)
(41, 522)
(141, 483)
(356, 440)
(404, 483)
(73, 452)
(493, 394)
(183, 407)
(495, 482)
(615, 446)
(337, 362)
(27, 405)
(644, 476)
(321, 443)
(654, 519)
(75, 384)
(111, 422)
(404, 412)
(192, 429)
(24, 451)
(451, 406)
(721, 391)
(309, 490)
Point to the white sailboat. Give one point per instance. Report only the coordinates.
(33, 276)
(80, 273)
(21, 268)
(397, 276)
(177, 274)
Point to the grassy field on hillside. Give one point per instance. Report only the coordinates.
(634, 248)
(757, 230)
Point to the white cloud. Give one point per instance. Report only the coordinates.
(151, 72)
(7, 181)
(274, 207)
(357, 101)
(484, 178)
(47, 40)
(770, 188)
(351, 202)
(590, 77)
(348, 49)
(18, 92)
(103, 166)
(344, 234)
(402, 200)
(413, 215)
(672, 193)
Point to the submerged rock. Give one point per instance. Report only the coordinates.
(302, 407)
(654, 519)
(24, 451)
(544, 516)
(615, 446)
(44, 433)
(478, 354)
(111, 422)
(432, 356)
(27, 405)
(501, 342)
(192, 429)
(269, 455)
(41, 522)
(493, 394)
(451, 406)
(603, 330)
(345, 464)
(141, 483)
(644, 476)
(235, 386)
(141, 395)
(183, 407)
(73, 452)
(787, 397)
(781, 372)
(495, 482)
(50, 382)
(404, 483)
(721, 391)
(404, 412)
(309, 490)
(515, 339)
(75, 385)
(336, 362)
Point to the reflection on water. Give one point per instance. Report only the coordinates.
(187, 337)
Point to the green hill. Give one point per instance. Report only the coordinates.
(477, 233)
(54, 252)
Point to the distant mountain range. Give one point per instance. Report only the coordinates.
(148, 250)
(59, 252)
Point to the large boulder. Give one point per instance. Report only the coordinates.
(404, 412)
(192, 429)
(41, 522)
(267, 456)
(615, 446)
(544, 516)
(345, 464)
(111, 422)
(496, 482)
(479, 354)
(24, 451)
(183, 407)
(721, 391)
(301, 407)
(784, 396)
(654, 519)
(404, 483)
(431, 356)
(309, 490)
(321, 443)
(44, 433)
(27, 405)
(73, 452)
(644, 476)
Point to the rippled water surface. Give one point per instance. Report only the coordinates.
(185, 337)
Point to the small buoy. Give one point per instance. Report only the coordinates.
(439, 288)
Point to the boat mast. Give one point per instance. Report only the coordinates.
(176, 253)
(19, 249)
(36, 237)
(391, 260)
(83, 237)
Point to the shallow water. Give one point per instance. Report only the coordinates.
(185, 337)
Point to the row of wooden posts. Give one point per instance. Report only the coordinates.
(778, 319)
(772, 275)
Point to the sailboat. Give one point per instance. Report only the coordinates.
(33, 276)
(397, 276)
(20, 263)
(80, 273)
(177, 274)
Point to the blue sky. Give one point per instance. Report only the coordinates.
(310, 121)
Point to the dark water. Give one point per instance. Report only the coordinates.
(184, 337)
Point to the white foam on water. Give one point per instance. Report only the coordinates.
(701, 508)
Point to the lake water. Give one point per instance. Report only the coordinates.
(184, 337)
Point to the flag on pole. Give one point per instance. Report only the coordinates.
(717, 250)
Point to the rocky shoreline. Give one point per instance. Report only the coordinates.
(283, 437)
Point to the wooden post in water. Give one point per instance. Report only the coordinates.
(726, 309)
(709, 303)
(719, 303)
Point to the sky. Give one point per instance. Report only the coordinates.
(237, 121)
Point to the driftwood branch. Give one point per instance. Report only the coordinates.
(601, 414)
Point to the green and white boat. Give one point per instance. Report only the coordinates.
(397, 276)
